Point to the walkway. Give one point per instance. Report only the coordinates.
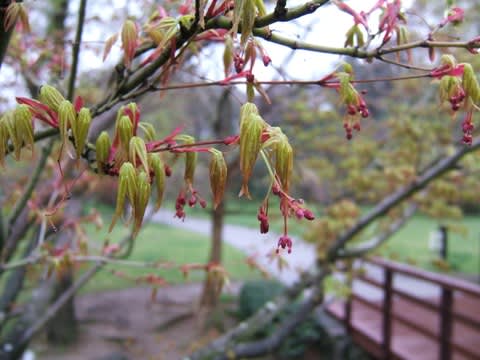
(251, 242)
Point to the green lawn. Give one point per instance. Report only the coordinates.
(162, 243)
(410, 244)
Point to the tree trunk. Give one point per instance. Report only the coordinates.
(221, 127)
(209, 297)
(62, 329)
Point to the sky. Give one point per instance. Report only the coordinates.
(327, 26)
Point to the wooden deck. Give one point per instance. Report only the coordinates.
(415, 325)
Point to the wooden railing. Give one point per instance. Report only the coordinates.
(447, 308)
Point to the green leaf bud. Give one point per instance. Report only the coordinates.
(51, 97)
(127, 188)
(80, 130)
(125, 132)
(138, 153)
(141, 201)
(250, 144)
(159, 172)
(470, 83)
(218, 176)
(66, 118)
(24, 125)
(102, 149)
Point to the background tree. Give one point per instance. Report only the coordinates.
(156, 46)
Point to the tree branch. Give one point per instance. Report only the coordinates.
(400, 195)
(376, 241)
(261, 318)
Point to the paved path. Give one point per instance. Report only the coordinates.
(302, 257)
(251, 242)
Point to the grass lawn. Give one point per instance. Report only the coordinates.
(410, 244)
(162, 243)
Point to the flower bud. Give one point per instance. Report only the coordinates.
(125, 132)
(66, 118)
(138, 153)
(102, 148)
(250, 144)
(80, 130)
(159, 172)
(470, 83)
(284, 162)
(50, 97)
(218, 176)
(141, 200)
(24, 125)
(127, 188)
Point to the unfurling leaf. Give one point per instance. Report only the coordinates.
(250, 143)
(66, 119)
(159, 172)
(228, 55)
(218, 176)
(470, 83)
(3, 140)
(9, 121)
(249, 13)
(102, 149)
(129, 41)
(50, 97)
(141, 200)
(11, 15)
(108, 45)
(138, 153)
(148, 130)
(284, 162)
(125, 132)
(127, 188)
(80, 130)
(24, 125)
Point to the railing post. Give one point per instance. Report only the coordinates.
(387, 313)
(446, 303)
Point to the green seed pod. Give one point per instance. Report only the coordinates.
(141, 201)
(13, 134)
(284, 162)
(80, 130)
(125, 132)
(159, 172)
(24, 125)
(218, 176)
(51, 97)
(127, 188)
(66, 118)
(470, 83)
(250, 144)
(138, 153)
(102, 149)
